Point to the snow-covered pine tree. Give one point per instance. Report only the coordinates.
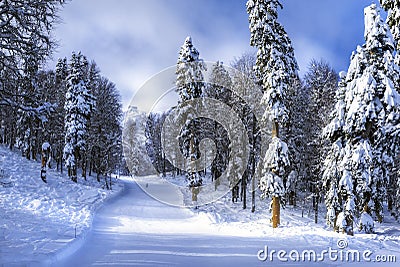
(77, 113)
(368, 110)
(275, 69)
(332, 163)
(189, 72)
(393, 20)
(189, 85)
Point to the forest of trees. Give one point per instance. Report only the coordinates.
(333, 137)
(65, 107)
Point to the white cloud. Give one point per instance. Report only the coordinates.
(132, 40)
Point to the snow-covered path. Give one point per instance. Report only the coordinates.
(129, 231)
(136, 230)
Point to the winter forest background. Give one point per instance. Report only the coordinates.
(334, 140)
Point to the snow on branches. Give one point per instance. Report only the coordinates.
(360, 161)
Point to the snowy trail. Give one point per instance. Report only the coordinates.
(136, 230)
(133, 229)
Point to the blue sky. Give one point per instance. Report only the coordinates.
(131, 40)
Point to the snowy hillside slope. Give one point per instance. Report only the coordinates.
(38, 219)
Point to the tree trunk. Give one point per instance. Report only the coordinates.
(74, 177)
(28, 151)
(244, 185)
(335, 227)
(275, 129)
(390, 202)
(105, 179)
(90, 165)
(61, 162)
(43, 170)
(253, 168)
(253, 193)
(276, 207)
(84, 163)
(316, 210)
(275, 212)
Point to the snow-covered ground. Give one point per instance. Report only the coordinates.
(37, 219)
(137, 230)
(37, 227)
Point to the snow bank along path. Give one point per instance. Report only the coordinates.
(39, 220)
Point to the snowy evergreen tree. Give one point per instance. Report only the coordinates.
(367, 108)
(332, 163)
(189, 85)
(77, 113)
(189, 72)
(276, 68)
(393, 20)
